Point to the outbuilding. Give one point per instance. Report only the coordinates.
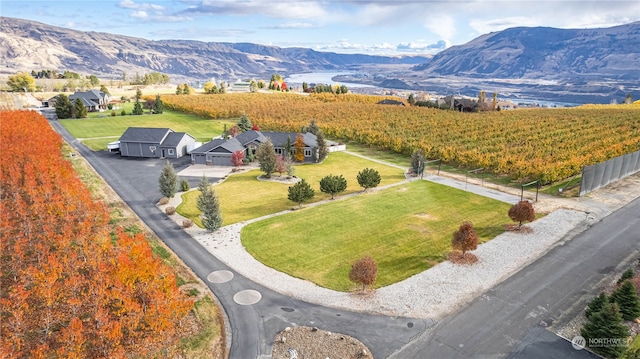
(151, 142)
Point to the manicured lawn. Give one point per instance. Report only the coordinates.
(406, 229)
(244, 197)
(107, 129)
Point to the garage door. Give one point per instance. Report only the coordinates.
(219, 160)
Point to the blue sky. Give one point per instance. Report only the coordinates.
(390, 27)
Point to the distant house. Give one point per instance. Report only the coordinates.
(459, 104)
(240, 86)
(218, 151)
(154, 143)
(93, 100)
(391, 102)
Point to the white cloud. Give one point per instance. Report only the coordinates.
(483, 26)
(129, 4)
(442, 25)
(280, 9)
(293, 25)
(140, 14)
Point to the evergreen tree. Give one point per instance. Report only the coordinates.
(79, 111)
(323, 149)
(168, 180)
(159, 105)
(333, 184)
(63, 106)
(628, 274)
(626, 297)
(596, 304)
(209, 205)
(417, 162)
(244, 124)
(368, 178)
(137, 108)
(266, 155)
(313, 128)
(300, 192)
(605, 324)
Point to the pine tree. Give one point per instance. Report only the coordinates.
(323, 150)
(158, 106)
(79, 111)
(605, 324)
(168, 180)
(628, 274)
(333, 184)
(244, 124)
(627, 300)
(209, 205)
(63, 106)
(300, 192)
(266, 155)
(596, 304)
(368, 178)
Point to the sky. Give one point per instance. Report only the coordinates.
(390, 27)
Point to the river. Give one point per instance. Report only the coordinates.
(321, 78)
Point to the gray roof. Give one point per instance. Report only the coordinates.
(145, 134)
(250, 136)
(91, 95)
(279, 139)
(216, 142)
(174, 138)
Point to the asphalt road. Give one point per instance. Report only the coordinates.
(504, 322)
(253, 327)
(507, 318)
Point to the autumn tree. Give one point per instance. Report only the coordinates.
(234, 131)
(104, 89)
(266, 155)
(244, 124)
(418, 162)
(465, 238)
(209, 204)
(168, 180)
(79, 111)
(627, 299)
(298, 148)
(63, 106)
(300, 192)
(22, 82)
(237, 157)
(333, 184)
(364, 271)
(281, 165)
(368, 178)
(323, 149)
(210, 88)
(522, 211)
(606, 323)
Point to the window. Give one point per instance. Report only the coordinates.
(278, 151)
(307, 152)
(171, 152)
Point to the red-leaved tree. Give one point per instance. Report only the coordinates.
(364, 272)
(465, 238)
(237, 157)
(522, 211)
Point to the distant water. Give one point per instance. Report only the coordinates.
(542, 103)
(320, 78)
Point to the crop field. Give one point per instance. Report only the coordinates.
(527, 144)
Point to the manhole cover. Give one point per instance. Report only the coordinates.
(410, 325)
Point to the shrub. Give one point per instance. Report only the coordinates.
(163, 201)
(364, 272)
(123, 113)
(187, 223)
(522, 211)
(170, 210)
(184, 185)
(113, 113)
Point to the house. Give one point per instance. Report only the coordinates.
(241, 86)
(154, 143)
(218, 151)
(459, 104)
(93, 100)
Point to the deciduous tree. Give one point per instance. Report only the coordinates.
(266, 155)
(465, 238)
(300, 192)
(168, 180)
(364, 271)
(522, 211)
(281, 166)
(22, 82)
(333, 184)
(298, 148)
(237, 157)
(417, 162)
(368, 178)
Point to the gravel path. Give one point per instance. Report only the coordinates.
(445, 287)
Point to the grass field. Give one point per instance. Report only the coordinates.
(97, 132)
(406, 229)
(244, 197)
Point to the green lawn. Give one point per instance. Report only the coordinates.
(102, 130)
(244, 197)
(406, 229)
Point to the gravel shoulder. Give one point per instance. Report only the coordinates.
(446, 287)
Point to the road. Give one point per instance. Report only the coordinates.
(504, 320)
(498, 322)
(253, 327)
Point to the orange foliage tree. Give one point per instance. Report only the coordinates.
(70, 288)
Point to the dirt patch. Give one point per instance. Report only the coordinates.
(280, 179)
(518, 229)
(425, 216)
(306, 342)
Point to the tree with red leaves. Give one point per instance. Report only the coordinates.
(465, 238)
(364, 272)
(522, 211)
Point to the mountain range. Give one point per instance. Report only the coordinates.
(569, 65)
